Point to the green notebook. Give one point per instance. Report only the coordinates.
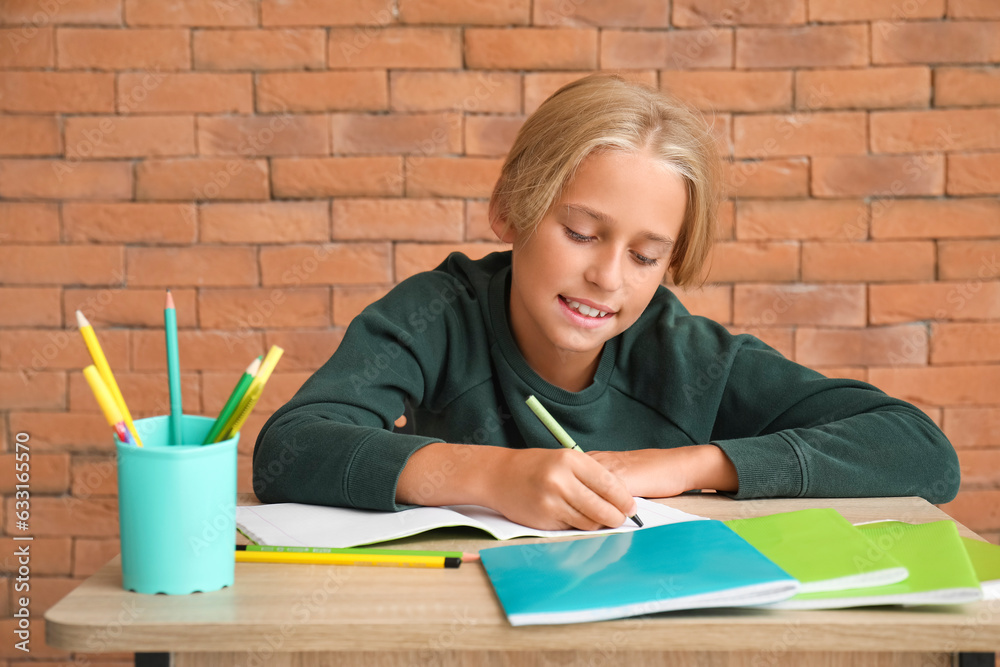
(940, 570)
(985, 559)
(821, 549)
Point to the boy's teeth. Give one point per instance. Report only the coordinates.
(584, 309)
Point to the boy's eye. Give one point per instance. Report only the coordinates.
(576, 236)
(646, 261)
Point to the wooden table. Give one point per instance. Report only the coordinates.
(295, 615)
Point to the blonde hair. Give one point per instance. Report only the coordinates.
(606, 112)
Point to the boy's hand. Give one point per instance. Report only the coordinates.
(661, 473)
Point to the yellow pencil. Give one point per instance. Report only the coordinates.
(253, 392)
(101, 362)
(107, 403)
(345, 559)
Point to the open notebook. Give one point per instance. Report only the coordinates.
(691, 565)
(294, 524)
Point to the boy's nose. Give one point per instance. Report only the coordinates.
(606, 271)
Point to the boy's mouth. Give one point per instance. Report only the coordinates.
(584, 309)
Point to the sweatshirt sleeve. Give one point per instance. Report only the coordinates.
(333, 442)
(792, 432)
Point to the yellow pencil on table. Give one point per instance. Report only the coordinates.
(560, 434)
(252, 395)
(101, 363)
(378, 560)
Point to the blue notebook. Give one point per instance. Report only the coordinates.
(689, 565)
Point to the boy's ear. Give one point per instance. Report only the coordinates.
(506, 233)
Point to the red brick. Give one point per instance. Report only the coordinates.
(27, 46)
(65, 179)
(30, 135)
(33, 391)
(336, 263)
(603, 13)
(744, 262)
(941, 385)
(395, 48)
(973, 174)
(482, 92)
(30, 307)
(140, 136)
(806, 46)
(879, 261)
(539, 86)
(477, 223)
(94, 476)
(191, 13)
(270, 222)
(725, 222)
(968, 259)
(196, 265)
(966, 86)
(147, 394)
(491, 136)
(135, 48)
(980, 468)
(55, 517)
(73, 92)
(264, 135)
(880, 88)
(129, 222)
(935, 42)
(398, 219)
(60, 265)
(77, 12)
(781, 339)
(305, 350)
(37, 350)
(424, 133)
(451, 177)
(964, 342)
(787, 177)
(851, 10)
(337, 177)
(712, 301)
(471, 12)
(29, 222)
(49, 473)
(973, 9)
(881, 176)
(936, 218)
(972, 427)
(971, 300)
(259, 49)
(202, 179)
(131, 307)
(349, 301)
(412, 258)
(90, 555)
(945, 130)
(322, 91)
(198, 350)
(697, 13)
(191, 92)
(242, 310)
(551, 48)
(673, 49)
(65, 432)
(801, 219)
(798, 304)
(828, 133)
(731, 91)
(902, 345)
(369, 13)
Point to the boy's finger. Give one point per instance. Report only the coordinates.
(609, 487)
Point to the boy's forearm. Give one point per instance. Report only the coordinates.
(447, 474)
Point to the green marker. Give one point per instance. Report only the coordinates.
(561, 435)
(234, 399)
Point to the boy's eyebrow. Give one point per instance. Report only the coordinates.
(608, 220)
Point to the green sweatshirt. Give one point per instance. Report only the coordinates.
(440, 341)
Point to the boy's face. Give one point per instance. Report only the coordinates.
(603, 247)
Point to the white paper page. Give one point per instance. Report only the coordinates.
(293, 524)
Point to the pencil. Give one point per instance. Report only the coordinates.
(107, 404)
(561, 435)
(378, 560)
(173, 369)
(101, 363)
(234, 399)
(465, 556)
(256, 388)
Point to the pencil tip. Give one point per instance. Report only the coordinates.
(81, 320)
(470, 557)
(170, 299)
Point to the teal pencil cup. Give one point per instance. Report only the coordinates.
(177, 509)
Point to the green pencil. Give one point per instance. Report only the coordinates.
(234, 399)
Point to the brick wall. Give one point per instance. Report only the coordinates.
(281, 163)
